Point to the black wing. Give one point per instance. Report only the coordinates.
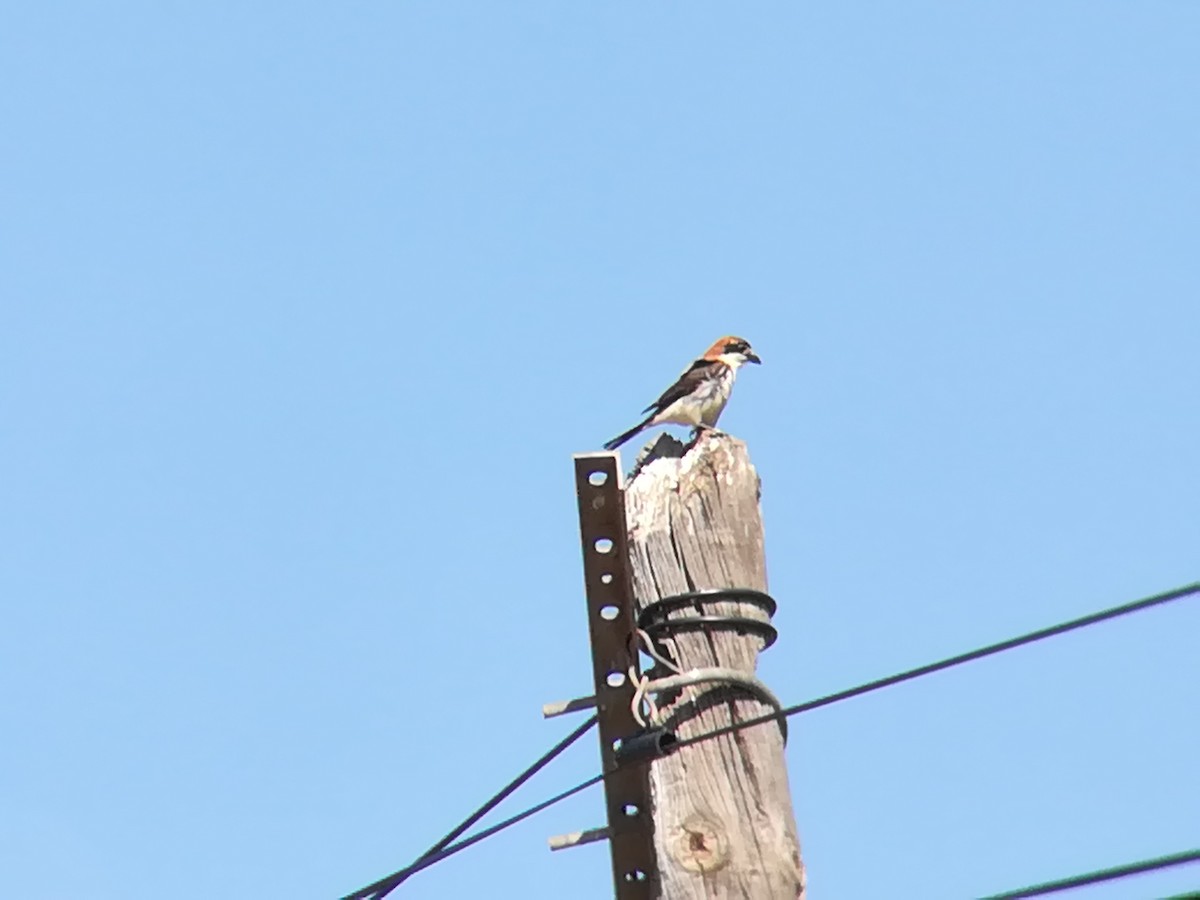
(700, 371)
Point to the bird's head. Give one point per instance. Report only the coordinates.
(733, 351)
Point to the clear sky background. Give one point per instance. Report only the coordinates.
(305, 307)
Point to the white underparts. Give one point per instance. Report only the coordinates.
(704, 405)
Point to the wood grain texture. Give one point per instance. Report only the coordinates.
(724, 826)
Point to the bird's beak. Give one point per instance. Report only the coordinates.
(751, 356)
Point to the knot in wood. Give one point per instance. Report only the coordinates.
(701, 846)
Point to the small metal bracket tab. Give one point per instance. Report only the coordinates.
(578, 838)
(562, 707)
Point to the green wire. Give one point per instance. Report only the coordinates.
(1066, 884)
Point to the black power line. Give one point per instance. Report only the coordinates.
(441, 849)
(429, 859)
(1149, 865)
(970, 656)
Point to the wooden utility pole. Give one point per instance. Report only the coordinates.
(722, 812)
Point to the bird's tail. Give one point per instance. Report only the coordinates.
(622, 438)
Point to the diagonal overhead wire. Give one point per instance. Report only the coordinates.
(950, 662)
(385, 886)
(429, 859)
(1066, 884)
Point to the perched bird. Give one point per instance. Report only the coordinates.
(700, 394)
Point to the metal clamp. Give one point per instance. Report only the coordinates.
(650, 744)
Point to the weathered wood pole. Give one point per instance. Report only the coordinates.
(723, 821)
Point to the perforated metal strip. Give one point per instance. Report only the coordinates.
(614, 651)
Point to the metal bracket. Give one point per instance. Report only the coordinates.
(614, 654)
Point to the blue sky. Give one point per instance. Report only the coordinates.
(306, 306)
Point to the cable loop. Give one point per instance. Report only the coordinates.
(655, 622)
(648, 646)
(640, 696)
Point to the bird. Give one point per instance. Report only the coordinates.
(701, 392)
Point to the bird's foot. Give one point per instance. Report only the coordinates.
(706, 431)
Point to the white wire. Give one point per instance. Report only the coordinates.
(648, 645)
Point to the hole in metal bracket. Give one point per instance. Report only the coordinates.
(615, 679)
(603, 545)
(597, 478)
(610, 612)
